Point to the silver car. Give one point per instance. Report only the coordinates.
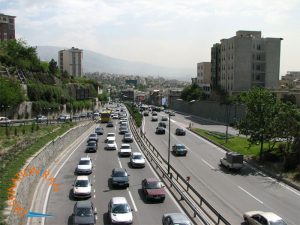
(176, 218)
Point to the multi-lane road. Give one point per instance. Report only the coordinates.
(60, 204)
(231, 193)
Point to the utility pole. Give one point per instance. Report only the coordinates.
(169, 151)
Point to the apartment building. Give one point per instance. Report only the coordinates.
(249, 60)
(215, 65)
(203, 78)
(71, 61)
(7, 27)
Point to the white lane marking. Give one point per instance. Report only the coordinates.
(94, 196)
(95, 209)
(96, 217)
(119, 161)
(208, 164)
(48, 191)
(144, 122)
(94, 191)
(133, 203)
(251, 195)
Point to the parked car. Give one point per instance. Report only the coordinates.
(111, 145)
(263, 218)
(84, 213)
(109, 124)
(127, 137)
(119, 177)
(153, 189)
(176, 218)
(125, 150)
(180, 131)
(4, 121)
(93, 137)
(99, 130)
(179, 149)
(82, 187)
(162, 124)
(137, 160)
(41, 119)
(119, 211)
(84, 166)
(233, 160)
(91, 146)
(154, 118)
(160, 130)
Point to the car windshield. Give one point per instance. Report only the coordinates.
(93, 135)
(119, 174)
(110, 141)
(180, 147)
(127, 135)
(120, 208)
(125, 147)
(110, 135)
(81, 183)
(153, 185)
(84, 162)
(91, 144)
(83, 212)
(278, 222)
(137, 157)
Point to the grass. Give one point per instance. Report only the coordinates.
(12, 161)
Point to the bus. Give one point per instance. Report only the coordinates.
(105, 116)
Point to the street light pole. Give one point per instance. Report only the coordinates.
(169, 145)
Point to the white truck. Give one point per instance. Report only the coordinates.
(232, 160)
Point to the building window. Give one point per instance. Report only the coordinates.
(257, 77)
(258, 57)
(258, 47)
(11, 27)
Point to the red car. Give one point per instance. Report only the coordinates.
(153, 189)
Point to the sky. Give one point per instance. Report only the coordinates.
(170, 33)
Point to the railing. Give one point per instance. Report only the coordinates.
(195, 201)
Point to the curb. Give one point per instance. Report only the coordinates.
(267, 172)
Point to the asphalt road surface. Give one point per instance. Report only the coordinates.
(231, 193)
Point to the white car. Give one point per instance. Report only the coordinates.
(4, 120)
(82, 187)
(137, 160)
(125, 150)
(263, 218)
(115, 116)
(84, 166)
(119, 211)
(111, 145)
(110, 136)
(154, 118)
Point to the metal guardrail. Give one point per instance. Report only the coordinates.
(179, 182)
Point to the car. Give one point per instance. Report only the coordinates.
(127, 137)
(172, 113)
(41, 119)
(154, 118)
(176, 218)
(119, 178)
(99, 130)
(179, 149)
(153, 189)
(146, 113)
(111, 145)
(154, 113)
(164, 118)
(180, 131)
(64, 117)
(83, 115)
(233, 161)
(125, 150)
(123, 130)
(263, 218)
(82, 187)
(93, 137)
(96, 114)
(137, 160)
(160, 130)
(111, 136)
(119, 211)
(84, 166)
(162, 124)
(91, 146)
(115, 116)
(4, 121)
(124, 123)
(84, 213)
(109, 124)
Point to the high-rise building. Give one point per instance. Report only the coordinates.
(7, 27)
(215, 65)
(71, 61)
(248, 60)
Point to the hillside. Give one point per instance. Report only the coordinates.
(96, 62)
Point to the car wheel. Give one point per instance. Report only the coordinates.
(246, 222)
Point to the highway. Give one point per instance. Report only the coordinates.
(231, 193)
(60, 204)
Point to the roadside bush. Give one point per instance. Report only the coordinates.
(137, 116)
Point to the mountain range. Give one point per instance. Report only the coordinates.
(97, 62)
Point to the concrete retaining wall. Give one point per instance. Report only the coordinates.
(42, 159)
(210, 110)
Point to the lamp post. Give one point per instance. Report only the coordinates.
(48, 116)
(169, 150)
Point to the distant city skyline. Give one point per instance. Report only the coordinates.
(169, 33)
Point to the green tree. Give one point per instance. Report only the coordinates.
(103, 97)
(11, 93)
(192, 92)
(260, 113)
(53, 68)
